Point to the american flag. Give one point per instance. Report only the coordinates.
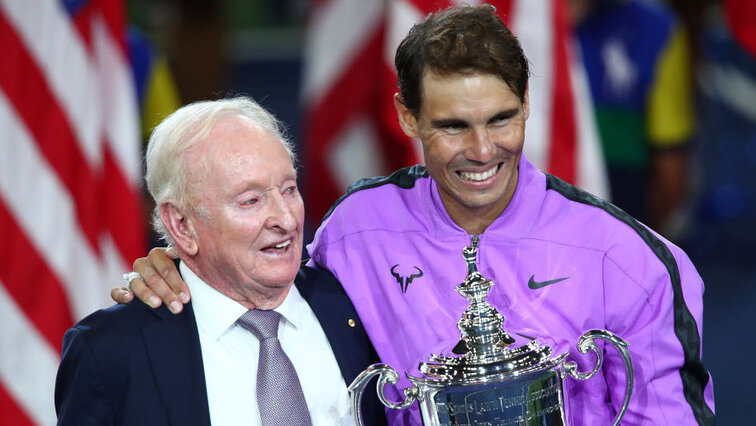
(70, 215)
(351, 127)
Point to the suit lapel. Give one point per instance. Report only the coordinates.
(176, 362)
(338, 318)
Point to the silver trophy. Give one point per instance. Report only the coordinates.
(494, 377)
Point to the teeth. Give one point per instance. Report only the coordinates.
(477, 177)
(283, 244)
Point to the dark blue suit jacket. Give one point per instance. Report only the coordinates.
(133, 365)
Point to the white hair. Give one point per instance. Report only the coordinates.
(170, 140)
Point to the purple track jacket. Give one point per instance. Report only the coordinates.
(563, 262)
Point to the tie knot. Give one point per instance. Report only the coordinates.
(263, 324)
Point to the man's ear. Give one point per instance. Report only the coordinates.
(406, 119)
(526, 104)
(180, 226)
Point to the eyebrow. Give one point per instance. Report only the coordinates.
(449, 122)
(259, 186)
(507, 113)
(458, 122)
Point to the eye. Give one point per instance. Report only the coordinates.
(454, 129)
(251, 201)
(290, 190)
(450, 126)
(503, 118)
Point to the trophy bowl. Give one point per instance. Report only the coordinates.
(491, 377)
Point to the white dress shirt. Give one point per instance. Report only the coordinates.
(230, 354)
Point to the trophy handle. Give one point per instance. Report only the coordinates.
(586, 343)
(386, 375)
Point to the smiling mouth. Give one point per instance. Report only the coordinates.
(478, 176)
(278, 248)
(284, 244)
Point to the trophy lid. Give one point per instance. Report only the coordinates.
(486, 352)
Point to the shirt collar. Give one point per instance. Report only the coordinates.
(291, 309)
(216, 313)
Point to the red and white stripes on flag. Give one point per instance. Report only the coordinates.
(349, 80)
(70, 214)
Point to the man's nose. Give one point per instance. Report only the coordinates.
(480, 146)
(280, 214)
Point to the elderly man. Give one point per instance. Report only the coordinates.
(263, 342)
(563, 260)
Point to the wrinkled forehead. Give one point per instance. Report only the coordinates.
(236, 136)
(237, 150)
(431, 77)
(450, 92)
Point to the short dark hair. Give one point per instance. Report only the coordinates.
(459, 40)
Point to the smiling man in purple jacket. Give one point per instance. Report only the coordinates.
(563, 260)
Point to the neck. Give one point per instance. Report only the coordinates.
(475, 221)
(259, 301)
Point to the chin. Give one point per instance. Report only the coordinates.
(284, 279)
(482, 200)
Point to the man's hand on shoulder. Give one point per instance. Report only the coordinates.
(160, 283)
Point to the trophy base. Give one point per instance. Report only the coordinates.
(534, 399)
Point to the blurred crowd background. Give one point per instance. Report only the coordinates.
(673, 90)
